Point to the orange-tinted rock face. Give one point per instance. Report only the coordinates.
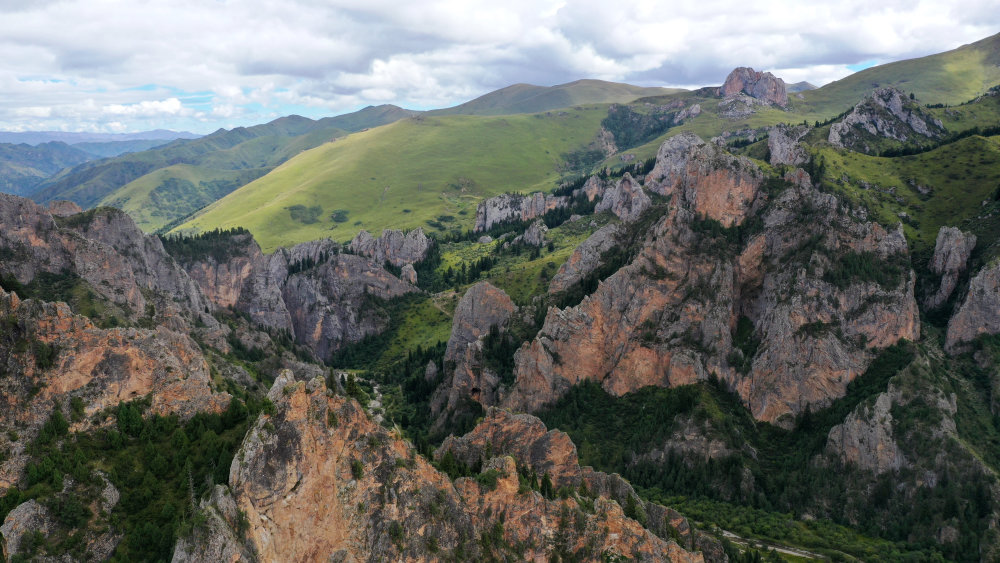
(551, 452)
(760, 85)
(667, 318)
(711, 182)
(101, 367)
(320, 480)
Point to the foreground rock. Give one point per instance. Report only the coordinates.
(318, 480)
(552, 453)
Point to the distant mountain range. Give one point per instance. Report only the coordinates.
(70, 138)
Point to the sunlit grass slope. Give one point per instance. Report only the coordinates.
(403, 175)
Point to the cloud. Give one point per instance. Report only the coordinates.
(192, 64)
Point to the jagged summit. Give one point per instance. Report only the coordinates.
(759, 85)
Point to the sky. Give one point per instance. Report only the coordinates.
(198, 65)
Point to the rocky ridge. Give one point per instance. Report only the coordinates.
(319, 480)
(667, 318)
(885, 113)
(392, 246)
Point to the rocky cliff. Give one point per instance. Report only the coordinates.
(392, 246)
(886, 113)
(552, 453)
(762, 86)
(320, 296)
(626, 199)
(784, 147)
(804, 281)
(515, 207)
(585, 258)
(106, 251)
(466, 377)
(318, 480)
(952, 250)
(50, 356)
(979, 313)
(865, 439)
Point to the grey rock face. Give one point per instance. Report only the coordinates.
(27, 517)
(515, 207)
(626, 200)
(951, 256)
(481, 308)
(887, 113)
(104, 248)
(535, 235)
(783, 144)
(393, 246)
(585, 258)
(865, 438)
(979, 313)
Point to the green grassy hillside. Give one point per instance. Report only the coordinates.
(527, 98)
(421, 172)
(951, 77)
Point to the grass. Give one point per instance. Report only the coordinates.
(527, 98)
(961, 175)
(405, 174)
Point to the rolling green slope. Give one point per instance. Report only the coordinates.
(527, 98)
(419, 172)
(951, 77)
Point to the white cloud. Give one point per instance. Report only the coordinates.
(98, 64)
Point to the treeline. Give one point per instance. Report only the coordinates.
(217, 244)
(912, 149)
(160, 465)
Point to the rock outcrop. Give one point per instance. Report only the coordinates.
(466, 378)
(392, 246)
(710, 181)
(886, 113)
(515, 207)
(64, 208)
(318, 480)
(784, 146)
(668, 317)
(979, 313)
(626, 200)
(585, 258)
(311, 290)
(762, 86)
(534, 235)
(551, 452)
(104, 248)
(51, 355)
(865, 439)
(951, 256)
